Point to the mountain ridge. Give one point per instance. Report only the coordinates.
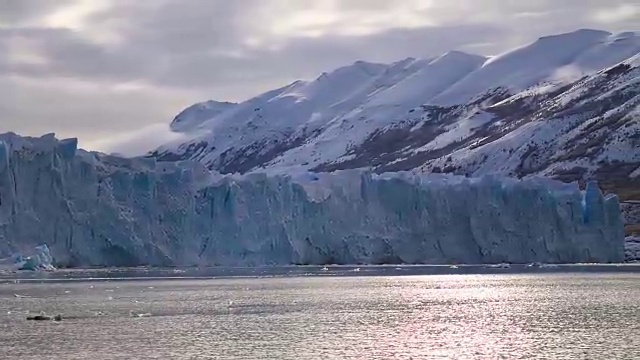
(548, 105)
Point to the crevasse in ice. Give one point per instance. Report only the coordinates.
(94, 209)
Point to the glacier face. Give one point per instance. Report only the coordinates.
(94, 209)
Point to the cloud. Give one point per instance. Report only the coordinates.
(612, 15)
(17, 12)
(567, 74)
(91, 111)
(138, 142)
(103, 69)
(165, 50)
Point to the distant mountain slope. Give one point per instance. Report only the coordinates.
(566, 106)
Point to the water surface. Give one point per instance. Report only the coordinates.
(482, 316)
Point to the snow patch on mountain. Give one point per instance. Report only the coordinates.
(431, 79)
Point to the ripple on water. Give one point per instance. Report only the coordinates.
(545, 316)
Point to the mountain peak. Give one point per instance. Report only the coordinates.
(455, 55)
(557, 58)
(355, 69)
(193, 116)
(584, 34)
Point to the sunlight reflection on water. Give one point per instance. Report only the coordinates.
(528, 316)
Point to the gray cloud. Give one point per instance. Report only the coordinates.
(132, 64)
(14, 12)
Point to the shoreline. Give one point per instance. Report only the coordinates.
(293, 271)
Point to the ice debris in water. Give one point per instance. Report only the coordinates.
(138, 315)
(500, 266)
(44, 317)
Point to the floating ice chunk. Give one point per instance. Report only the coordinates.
(43, 317)
(499, 266)
(40, 260)
(138, 315)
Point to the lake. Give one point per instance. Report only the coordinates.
(528, 315)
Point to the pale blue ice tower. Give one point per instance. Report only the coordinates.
(4, 155)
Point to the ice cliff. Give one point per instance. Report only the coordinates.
(94, 209)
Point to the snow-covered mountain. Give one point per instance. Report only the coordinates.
(566, 106)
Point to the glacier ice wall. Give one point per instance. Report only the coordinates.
(94, 209)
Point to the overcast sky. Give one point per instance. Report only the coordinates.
(109, 71)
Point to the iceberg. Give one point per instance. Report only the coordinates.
(93, 209)
(40, 260)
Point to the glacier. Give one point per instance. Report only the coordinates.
(93, 209)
